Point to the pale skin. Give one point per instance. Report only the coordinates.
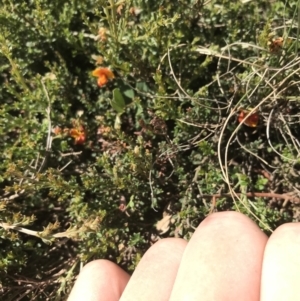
(227, 259)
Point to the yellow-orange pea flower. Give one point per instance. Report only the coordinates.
(78, 134)
(56, 130)
(252, 120)
(104, 75)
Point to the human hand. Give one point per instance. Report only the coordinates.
(228, 258)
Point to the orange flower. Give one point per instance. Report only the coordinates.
(251, 121)
(104, 75)
(78, 134)
(275, 45)
(56, 131)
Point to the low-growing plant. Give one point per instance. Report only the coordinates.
(124, 122)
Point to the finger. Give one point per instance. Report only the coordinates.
(99, 280)
(222, 261)
(154, 276)
(281, 265)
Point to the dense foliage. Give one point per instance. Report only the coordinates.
(123, 122)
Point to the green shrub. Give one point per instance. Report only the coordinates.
(192, 109)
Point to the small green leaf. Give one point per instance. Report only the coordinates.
(131, 202)
(142, 87)
(129, 93)
(118, 102)
(261, 183)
